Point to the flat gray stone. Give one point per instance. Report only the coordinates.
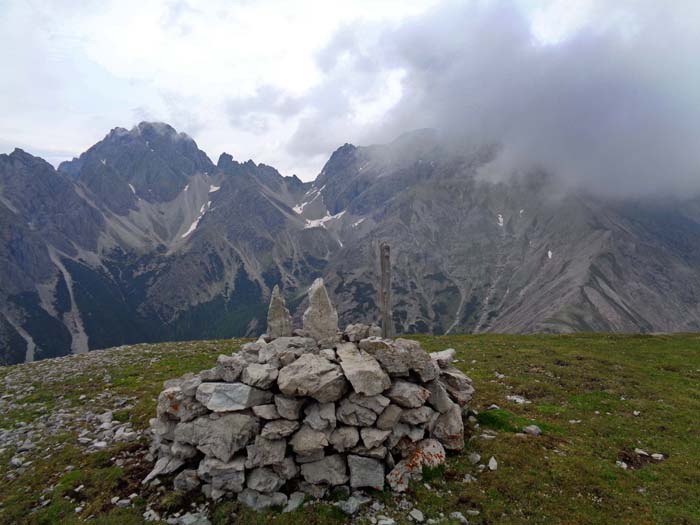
(259, 501)
(289, 407)
(408, 395)
(388, 419)
(362, 370)
(331, 470)
(221, 437)
(320, 416)
(366, 472)
(315, 376)
(449, 429)
(308, 441)
(265, 452)
(355, 415)
(373, 437)
(344, 438)
(259, 375)
(230, 397)
(278, 429)
(264, 480)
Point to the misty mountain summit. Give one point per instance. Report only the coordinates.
(142, 238)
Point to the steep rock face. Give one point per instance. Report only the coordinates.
(156, 243)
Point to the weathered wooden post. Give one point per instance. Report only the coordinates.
(385, 288)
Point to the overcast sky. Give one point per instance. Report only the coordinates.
(606, 93)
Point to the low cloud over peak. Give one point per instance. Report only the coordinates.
(614, 107)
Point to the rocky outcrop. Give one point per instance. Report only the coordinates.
(307, 414)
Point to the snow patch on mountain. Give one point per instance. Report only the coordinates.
(321, 223)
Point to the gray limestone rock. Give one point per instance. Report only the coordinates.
(320, 416)
(449, 429)
(373, 437)
(355, 415)
(366, 472)
(344, 438)
(268, 412)
(408, 395)
(315, 376)
(308, 441)
(331, 470)
(389, 417)
(259, 375)
(229, 397)
(224, 476)
(286, 469)
(289, 407)
(439, 399)
(443, 358)
(264, 479)
(173, 403)
(320, 319)
(186, 480)
(221, 437)
(357, 332)
(229, 367)
(265, 452)
(278, 429)
(457, 384)
(417, 416)
(259, 501)
(279, 322)
(362, 370)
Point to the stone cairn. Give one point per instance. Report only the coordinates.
(301, 412)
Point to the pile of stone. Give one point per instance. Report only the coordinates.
(303, 411)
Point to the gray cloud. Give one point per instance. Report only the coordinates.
(614, 108)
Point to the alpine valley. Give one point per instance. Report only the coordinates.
(142, 239)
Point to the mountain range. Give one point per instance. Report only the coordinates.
(143, 238)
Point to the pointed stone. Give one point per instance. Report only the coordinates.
(320, 318)
(279, 322)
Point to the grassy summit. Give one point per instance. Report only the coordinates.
(583, 391)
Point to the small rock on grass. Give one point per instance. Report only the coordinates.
(459, 517)
(533, 430)
(416, 515)
(493, 464)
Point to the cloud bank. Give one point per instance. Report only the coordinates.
(613, 107)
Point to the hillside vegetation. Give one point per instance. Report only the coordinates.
(597, 398)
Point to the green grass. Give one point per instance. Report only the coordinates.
(584, 390)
